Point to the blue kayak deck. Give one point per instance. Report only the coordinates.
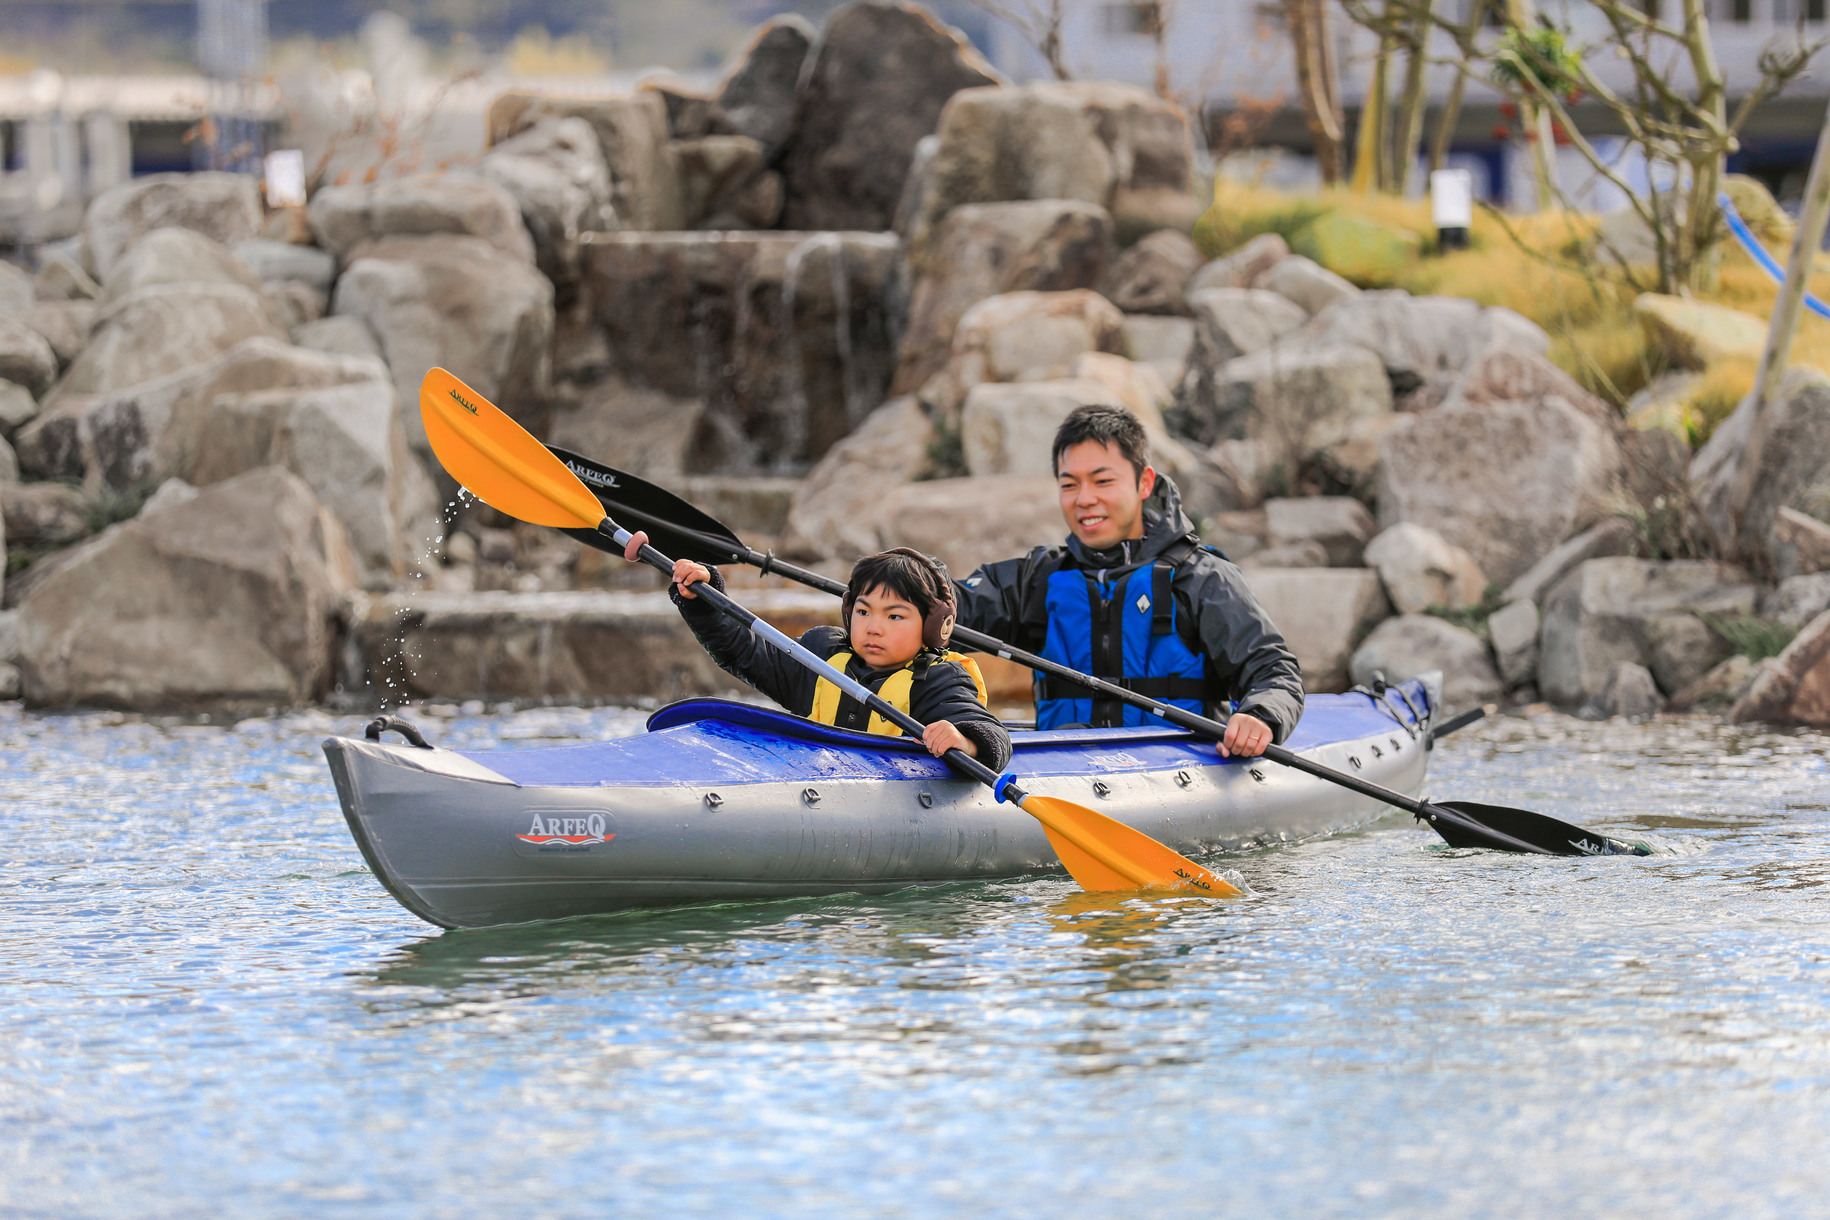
(700, 741)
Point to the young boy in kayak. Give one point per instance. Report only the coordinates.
(899, 610)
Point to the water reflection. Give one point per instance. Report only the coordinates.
(211, 1008)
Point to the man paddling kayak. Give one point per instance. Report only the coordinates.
(899, 609)
(1133, 597)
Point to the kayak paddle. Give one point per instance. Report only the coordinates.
(502, 464)
(690, 532)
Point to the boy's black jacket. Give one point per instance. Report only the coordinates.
(946, 693)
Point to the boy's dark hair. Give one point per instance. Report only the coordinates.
(1107, 426)
(903, 575)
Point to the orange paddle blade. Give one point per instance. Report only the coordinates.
(498, 460)
(1102, 853)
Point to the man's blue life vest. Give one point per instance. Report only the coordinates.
(1123, 630)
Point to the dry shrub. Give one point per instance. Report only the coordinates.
(1537, 266)
(1725, 383)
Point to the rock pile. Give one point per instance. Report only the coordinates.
(843, 301)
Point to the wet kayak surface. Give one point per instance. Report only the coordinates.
(212, 1009)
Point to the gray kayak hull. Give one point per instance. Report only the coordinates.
(729, 802)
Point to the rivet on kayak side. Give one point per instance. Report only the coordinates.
(713, 800)
(810, 795)
(1184, 778)
(1355, 760)
(926, 799)
(1101, 787)
(1257, 775)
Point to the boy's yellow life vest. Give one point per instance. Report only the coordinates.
(894, 691)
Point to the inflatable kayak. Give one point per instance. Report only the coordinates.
(728, 801)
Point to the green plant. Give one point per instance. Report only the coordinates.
(109, 505)
(1753, 637)
(1472, 618)
(946, 452)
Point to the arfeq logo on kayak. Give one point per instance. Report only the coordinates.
(460, 400)
(560, 833)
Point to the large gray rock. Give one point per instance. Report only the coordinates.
(282, 260)
(1117, 146)
(1797, 600)
(162, 329)
(1681, 648)
(25, 358)
(839, 508)
(43, 515)
(1009, 428)
(1516, 371)
(878, 79)
(9, 463)
(1413, 644)
(1506, 481)
(17, 407)
(1719, 689)
(758, 96)
(1418, 339)
(725, 183)
(632, 134)
(1800, 543)
(223, 207)
(968, 522)
(1603, 540)
(345, 218)
(1513, 629)
(1228, 323)
(986, 249)
(1608, 611)
(1791, 471)
(1339, 525)
(458, 303)
(1242, 267)
(1298, 402)
(1162, 343)
(555, 173)
(1794, 687)
(16, 290)
(1149, 277)
(333, 421)
(338, 336)
(1310, 285)
(1323, 613)
(65, 325)
(784, 337)
(1629, 692)
(1028, 336)
(1422, 570)
(228, 600)
(176, 256)
(61, 277)
(630, 428)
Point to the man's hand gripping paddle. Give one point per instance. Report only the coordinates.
(689, 533)
(502, 464)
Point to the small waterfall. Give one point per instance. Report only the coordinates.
(793, 410)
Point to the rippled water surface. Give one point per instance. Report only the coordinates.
(211, 1008)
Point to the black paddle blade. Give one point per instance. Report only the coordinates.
(673, 525)
(1558, 838)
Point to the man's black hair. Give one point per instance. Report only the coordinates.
(903, 575)
(1107, 426)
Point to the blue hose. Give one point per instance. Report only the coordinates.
(1751, 244)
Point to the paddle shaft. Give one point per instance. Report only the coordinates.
(958, 759)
